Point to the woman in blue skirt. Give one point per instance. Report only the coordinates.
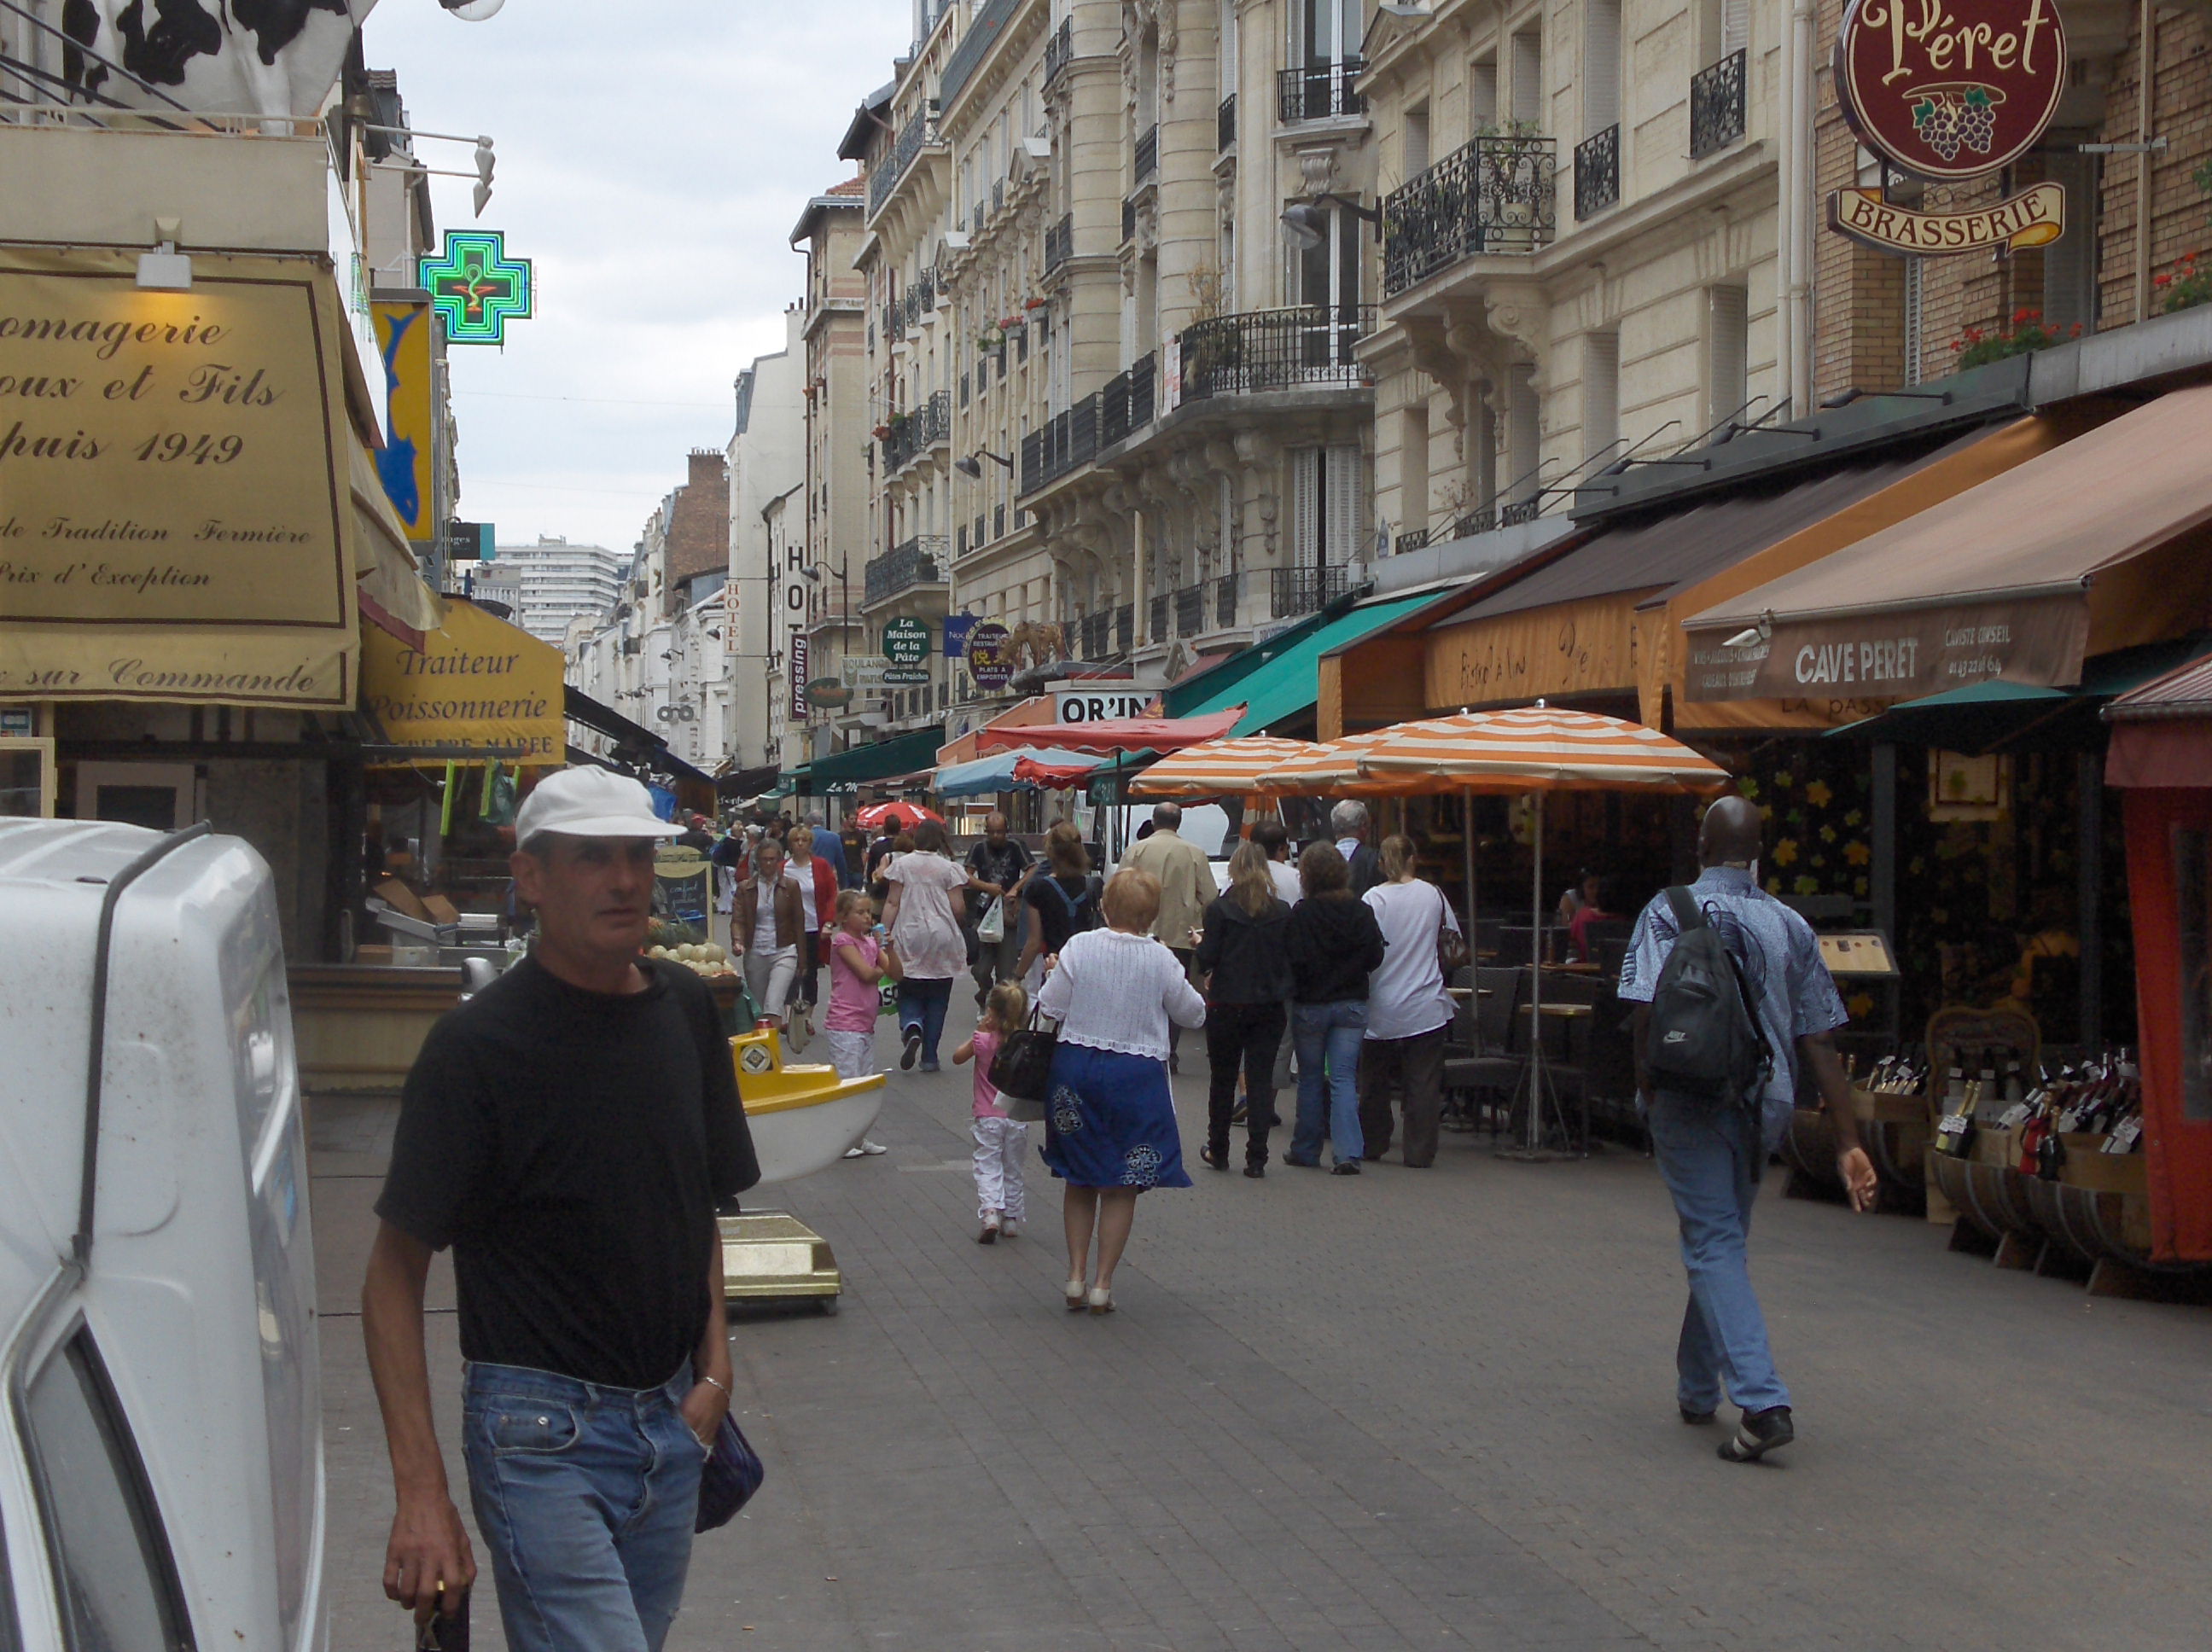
(1109, 1127)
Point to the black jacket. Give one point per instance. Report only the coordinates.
(1366, 868)
(1245, 954)
(1334, 943)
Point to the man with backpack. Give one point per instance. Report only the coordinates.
(1732, 995)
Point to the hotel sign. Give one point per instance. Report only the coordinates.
(1950, 89)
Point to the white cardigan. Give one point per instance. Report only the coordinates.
(1117, 992)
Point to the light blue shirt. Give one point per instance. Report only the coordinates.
(1790, 987)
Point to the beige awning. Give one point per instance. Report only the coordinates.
(2097, 545)
(393, 598)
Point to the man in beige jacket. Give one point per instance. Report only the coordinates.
(1187, 889)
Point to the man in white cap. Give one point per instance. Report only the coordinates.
(570, 1132)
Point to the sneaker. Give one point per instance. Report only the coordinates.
(852, 1152)
(1349, 1167)
(1238, 1114)
(912, 1053)
(1695, 1417)
(1009, 1228)
(1302, 1163)
(1256, 1171)
(869, 1148)
(989, 1236)
(931, 1066)
(1759, 1433)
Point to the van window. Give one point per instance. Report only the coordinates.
(117, 1587)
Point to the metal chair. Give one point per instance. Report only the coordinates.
(1493, 1065)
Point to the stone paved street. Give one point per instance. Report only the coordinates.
(1415, 1409)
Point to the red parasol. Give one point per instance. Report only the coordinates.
(903, 817)
(1115, 734)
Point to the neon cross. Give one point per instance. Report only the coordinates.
(475, 288)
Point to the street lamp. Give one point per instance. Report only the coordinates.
(968, 468)
(1306, 225)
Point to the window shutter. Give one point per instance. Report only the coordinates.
(1727, 345)
(1601, 65)
(1305, 507)
(1735, 25)
(1601, 392)
(1345, 507)
(1527, 88)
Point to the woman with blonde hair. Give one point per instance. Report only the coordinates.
(1109, 1116)
(1246, 973)
(1409, 1014)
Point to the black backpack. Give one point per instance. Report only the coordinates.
(1704, 1039)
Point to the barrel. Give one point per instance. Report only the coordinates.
(1989, 1196)
(1897, 1145)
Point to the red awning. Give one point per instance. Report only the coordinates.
(1115, 733)
(1056, 776)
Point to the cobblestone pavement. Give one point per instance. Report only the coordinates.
(1410, 1409)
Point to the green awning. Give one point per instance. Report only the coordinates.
(1980, 717)
(1285, 677)
(902, 754)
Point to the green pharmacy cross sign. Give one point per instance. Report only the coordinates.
(475, 288)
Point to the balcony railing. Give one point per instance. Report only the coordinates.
(1597, 172)
(1225, 125)
(1125, 626)
(1059, 242)
(1495, 195)
(1225, 601)
(1274, 349)
(1158, 632)
(1126, 404)
(920, 561)
(904, 148)
(1308, 590)
(918, 301)
(1717, 106)
(1060, 50)
(1062, 444)
(1097, 633)
(1319, 91)
(1148, 154)
(912, 434)
(1190, 610)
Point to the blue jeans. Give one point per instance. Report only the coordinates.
(1328, 1037)
(1711, 1158)
(922, 1004)
(586, 1497)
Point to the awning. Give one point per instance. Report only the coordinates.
(1113, 734)
(1982, 717)
(902, 753)
(1284, 675)
(635, 744)
(961, 748)
(986, 776)
(1572, 626)
(475, 681)
(2162, 731)
(746, 782)
(2093, 546)
(393, 596)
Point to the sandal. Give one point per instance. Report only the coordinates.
(1075, 1295)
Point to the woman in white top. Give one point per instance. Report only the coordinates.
(1408, 1011)
(1110, 1122)
(922, 918)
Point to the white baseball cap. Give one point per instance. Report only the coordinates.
(590, 802)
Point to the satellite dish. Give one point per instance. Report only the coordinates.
(473, 11)
(1304, 225)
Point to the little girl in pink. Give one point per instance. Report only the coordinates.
(859, 965)
(999, 1141)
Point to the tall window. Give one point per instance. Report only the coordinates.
(1414, 468)
(1728, 346)
(1723, 26)
(1527, 88)
(1330, 31)
(1601, 392)
(1601, 65)
(2069, 264)
(1327, 506)
(1481, 94)
(1414, 142)
(1524, 431)
(1328, 271)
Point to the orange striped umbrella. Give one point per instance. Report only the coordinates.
(1217, 768)
(1538, 748)
(1333, 769)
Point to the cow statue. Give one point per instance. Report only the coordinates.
(210, 57)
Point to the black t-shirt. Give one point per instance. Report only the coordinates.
(571, 1147)
(1064, 906)
(1002, 864)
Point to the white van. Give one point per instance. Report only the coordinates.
(161, 1445)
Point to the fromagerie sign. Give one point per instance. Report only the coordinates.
(173, 509)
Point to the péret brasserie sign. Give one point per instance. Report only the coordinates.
(1945, 90)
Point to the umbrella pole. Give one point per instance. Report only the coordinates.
(1540, 1081)
(1467, 844)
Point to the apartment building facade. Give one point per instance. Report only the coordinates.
(559, 582)
(766, 595)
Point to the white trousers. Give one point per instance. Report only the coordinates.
(768, 976)
(1000, 1145)
(853, 1053)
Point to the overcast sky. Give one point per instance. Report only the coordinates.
(653, 174)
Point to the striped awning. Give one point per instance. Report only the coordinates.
(1539, 749)
(1217, 768)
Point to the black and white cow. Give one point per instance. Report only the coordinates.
(226, 56)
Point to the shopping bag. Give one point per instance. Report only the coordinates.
(991, 927)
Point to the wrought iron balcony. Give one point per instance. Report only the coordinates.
(1274, 349)
(1190, 610)
(1097, 634)
(1225, 125)
(892, 166)
(920, 561)
(912, 433)
(1062, 444)
(1717, 106)
(1060, 50)
(1308, 590)
(1060, 243)
(1225, 601)
(1125, 405)
(1125, 626)
(1495, 195)
(1158, 632)
(1319, 92)
(1597, 172)
(1148, 154)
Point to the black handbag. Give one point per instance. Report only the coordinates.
(1022, 1070)
(732, 1473)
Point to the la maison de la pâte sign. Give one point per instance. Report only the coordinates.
(1945, 90)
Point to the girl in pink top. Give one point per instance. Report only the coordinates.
(1000, 1141)
(859, 965)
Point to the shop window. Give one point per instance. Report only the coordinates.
(2192, 894)
(117, 1584)
(27, 776)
